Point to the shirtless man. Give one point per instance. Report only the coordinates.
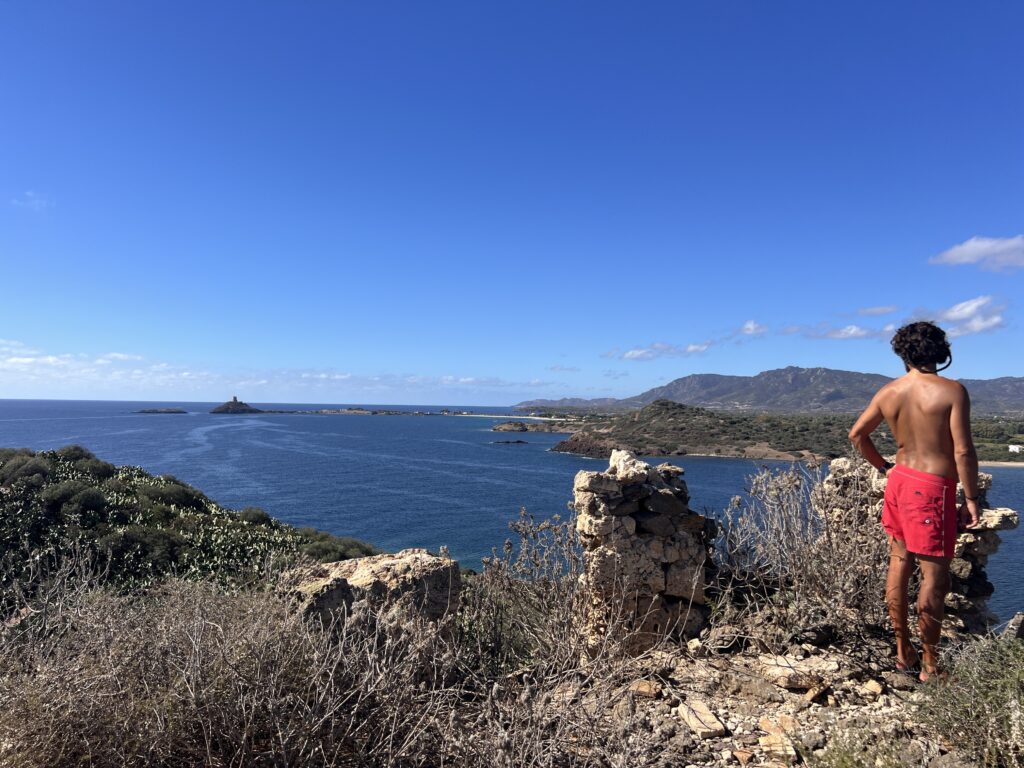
(930, 417)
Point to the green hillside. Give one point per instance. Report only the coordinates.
(139, 526)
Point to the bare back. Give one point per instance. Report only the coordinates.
(922, 410)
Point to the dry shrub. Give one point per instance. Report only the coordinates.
(795, 558)
(863, 749)
(979, 708)
(190, 673)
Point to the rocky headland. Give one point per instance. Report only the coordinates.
(162, 410)
(665, 428)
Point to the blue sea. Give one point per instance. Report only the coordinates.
(395, 481)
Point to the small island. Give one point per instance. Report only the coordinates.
(234, 405)
(162, 410)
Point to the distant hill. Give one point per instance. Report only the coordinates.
(573, 403)
(789, 389)
(794, 390)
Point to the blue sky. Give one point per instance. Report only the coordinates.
(486, 202)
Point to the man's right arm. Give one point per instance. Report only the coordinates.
(965, 455)
(860, 434)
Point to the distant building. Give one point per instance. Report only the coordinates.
(1015, 448)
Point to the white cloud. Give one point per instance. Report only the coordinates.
(975, 315)
(849, 332)
(965, 310)
(993, 253)
(32, 201)
(662, 349)
(610, 374)
(116, 357)
(888, 309)
(753, 328)
(563, 368)
(643, 353)
(842, 333)
(25, 372)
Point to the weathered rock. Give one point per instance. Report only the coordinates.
(429, 583)
(798, 674)
(700, 719)
(686, 579)
(1015, 626)
(648, 689)
(596, 482)
(664, 502)
(627, 468)
(652, 522)
(999, 519)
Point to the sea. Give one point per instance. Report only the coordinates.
(394, 481)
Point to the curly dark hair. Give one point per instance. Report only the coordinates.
(921, 344)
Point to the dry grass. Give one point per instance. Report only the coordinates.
(792, 560)
(190, 673)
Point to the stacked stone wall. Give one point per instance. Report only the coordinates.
(645, 553)
(855, 487)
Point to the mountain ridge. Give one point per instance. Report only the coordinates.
(791, 390)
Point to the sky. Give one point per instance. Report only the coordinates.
(481, 203)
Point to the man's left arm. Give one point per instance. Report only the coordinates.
(860, 434)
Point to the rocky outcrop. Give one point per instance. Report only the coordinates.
(510, 426)
(536, 426)
(413, 577)
(855, 487)
(586, 444)
(644, 553)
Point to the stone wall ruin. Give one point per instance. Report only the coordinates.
(644, 554)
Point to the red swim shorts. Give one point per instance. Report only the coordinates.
(920, 510)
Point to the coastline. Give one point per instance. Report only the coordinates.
(1001, 463)
(508, 418)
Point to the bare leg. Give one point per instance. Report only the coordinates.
(931, 605)
(901, 565)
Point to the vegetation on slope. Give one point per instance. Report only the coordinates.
(665, 428)
(137, 526)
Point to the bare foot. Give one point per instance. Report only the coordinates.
(907, 659)
(932, 673)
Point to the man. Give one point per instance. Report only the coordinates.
(930, 418)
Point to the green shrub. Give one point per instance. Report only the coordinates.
(327, 548)
(23, 466)
(74, 453)
(96, 468)
(56, 496)
(255, 515)
(174, 493)
(139, 552)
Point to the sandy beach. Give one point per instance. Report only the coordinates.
(1001, 464)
